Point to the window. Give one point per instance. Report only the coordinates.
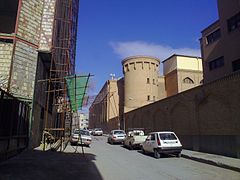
(148, 98)
(126, 67)
(152, 137)
(234, 22)
(213, 36)
(153, 81)
(153, 98)
(188, 80)
(148, 80)
(167, 136)
(236, 65)
(8, 15)
(217, 63)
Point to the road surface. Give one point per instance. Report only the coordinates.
(118, 163)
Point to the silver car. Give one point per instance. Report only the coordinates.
(116, 136)
(81, 136)
(97, 132)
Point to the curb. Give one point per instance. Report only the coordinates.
(207, 161)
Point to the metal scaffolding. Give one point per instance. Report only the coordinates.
(62, 65)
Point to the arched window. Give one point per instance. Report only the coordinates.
(188, 80)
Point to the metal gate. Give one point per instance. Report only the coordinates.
(14, 125)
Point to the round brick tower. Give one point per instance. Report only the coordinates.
(140, 81)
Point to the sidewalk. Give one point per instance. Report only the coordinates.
(213, 159)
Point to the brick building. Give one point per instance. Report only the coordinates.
(30, 31)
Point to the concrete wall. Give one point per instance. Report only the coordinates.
(195, 76)
(205, 118)
(189, 63)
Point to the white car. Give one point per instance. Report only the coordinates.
(97, 132)
(116, 136)
(81, 136)
(162, 143)
(134, 139)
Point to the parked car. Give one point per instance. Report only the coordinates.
(116, 136)
(90, 131)
(81, 136)
(97, 132)
(134, 139)
(162, 143)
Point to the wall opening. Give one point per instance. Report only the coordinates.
(8, 16)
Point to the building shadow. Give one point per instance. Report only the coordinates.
(39, 165)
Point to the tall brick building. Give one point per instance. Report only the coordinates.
(220, 42)
(37, 42)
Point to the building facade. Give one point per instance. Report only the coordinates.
(29, 32)
(220, 42)
(142, 85)
(107, 108)
(182, 73)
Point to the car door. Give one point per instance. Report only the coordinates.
(147, 144)
(152, 142)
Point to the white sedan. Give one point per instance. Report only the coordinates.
(162, 143)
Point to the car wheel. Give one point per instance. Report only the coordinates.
(156, 154)
(130, 146)
(179, 155)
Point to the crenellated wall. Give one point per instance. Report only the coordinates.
(206, 118)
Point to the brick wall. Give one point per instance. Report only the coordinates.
(47, 25)
(5, 62)
(30, 20)
(24, 70)
(206, 118)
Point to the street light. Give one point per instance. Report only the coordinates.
(112, 76)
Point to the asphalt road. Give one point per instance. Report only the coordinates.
(115, 162)
(103, 161)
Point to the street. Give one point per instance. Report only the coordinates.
(108, 162)
(119, 163)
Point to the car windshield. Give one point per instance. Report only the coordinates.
(167, 136)
(98, 129)
(118, 132)
(82, 132)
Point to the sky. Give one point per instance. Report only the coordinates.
(111, 30)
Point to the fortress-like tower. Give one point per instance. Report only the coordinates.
(140, 81)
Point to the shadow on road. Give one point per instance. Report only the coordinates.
(39, 165)
(162, 155)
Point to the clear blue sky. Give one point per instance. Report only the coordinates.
(110, 30)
